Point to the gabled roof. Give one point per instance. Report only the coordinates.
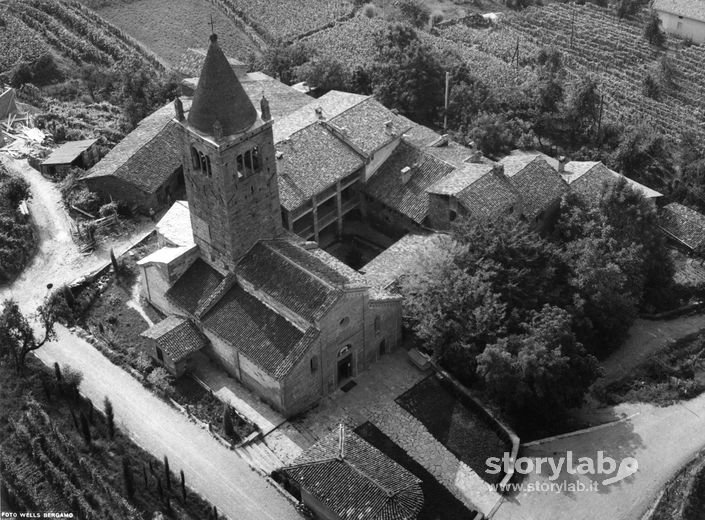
(177, 337)
(265, 337)
(329, 106)
(310, 161)
(489, 197)
(355, 480)
(693, 9)
(148, 155)
(195, 286)
(292, 277)
(684, 224)
(589, 177)
(369, 125)
(460, 179)
(538, 183)
(69, 152)
(409, 198)
(405, 255)
(220, 97)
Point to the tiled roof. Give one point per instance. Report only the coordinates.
(369, 125)
(417, 134)
(311, 160)
(356, 480)
(148, 155)
(195, 286)
(460, 179)
(408, 198)
(177, 337)
(68, 152)
(588, 179)
(405, 255)
(453, 153)
(489, 197)
(280, 269)
(685, 224)
(537, 182)
(265, 337)
(693, 9)
(330, 105)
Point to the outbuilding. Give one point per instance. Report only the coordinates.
(81, 154)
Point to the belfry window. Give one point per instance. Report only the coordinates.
(201, 162)
(248, 162)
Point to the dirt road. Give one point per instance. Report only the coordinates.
(216, 473)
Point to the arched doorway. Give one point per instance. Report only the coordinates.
(345, 364)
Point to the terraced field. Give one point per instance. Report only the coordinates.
(614, 52)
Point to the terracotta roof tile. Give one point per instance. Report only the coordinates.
(69, 152)
(410, 198)
(265, 337)
(683, 223)
(195, 286)
(490, 196)
(356, 480)
(369, 125)
(177, 337)
(538, 183)
(588, 178)
(310, 161)
(280, 269)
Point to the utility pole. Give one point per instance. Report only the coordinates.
(599, 118)
(445, 112)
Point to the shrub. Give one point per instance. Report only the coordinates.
(369, 10)
(161, 379)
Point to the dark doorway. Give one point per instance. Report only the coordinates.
(160, 355)
(383, 347)
(345, 369)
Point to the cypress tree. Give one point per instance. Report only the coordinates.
(227, 421)
(109, 417)
(57, 372)
(167, 473)
(86, 430)
(127, 480)
(183, 485)
(114, 261)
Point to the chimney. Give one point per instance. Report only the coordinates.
(319, 112)
(475, 157)
(405, 174)
(440, 141)
(562, 161)
(264, 107)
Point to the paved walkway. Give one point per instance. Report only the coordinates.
(216, 473)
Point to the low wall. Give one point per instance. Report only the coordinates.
(497, 425)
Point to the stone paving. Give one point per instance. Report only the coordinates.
(372, 399)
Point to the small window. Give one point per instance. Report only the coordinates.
(344, 322)
(314, 364)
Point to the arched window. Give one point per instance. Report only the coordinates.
(201, 162)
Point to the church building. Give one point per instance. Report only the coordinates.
(285, 318)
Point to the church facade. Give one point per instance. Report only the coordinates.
(285, 318)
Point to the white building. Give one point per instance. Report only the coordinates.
(682, 18)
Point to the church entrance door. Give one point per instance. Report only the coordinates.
(345, 369)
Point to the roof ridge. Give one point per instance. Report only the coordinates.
(296, 264)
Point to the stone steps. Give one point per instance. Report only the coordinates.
(259, 456)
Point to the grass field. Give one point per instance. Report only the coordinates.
(169, 27)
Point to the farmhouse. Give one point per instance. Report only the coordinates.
(281, 315)
(342, 477)
(81, 154)
(683, 18)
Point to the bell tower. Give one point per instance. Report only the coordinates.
(229, 165)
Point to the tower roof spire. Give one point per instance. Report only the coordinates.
(220, 96)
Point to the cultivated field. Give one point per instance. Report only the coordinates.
(614, 52)
(169, 27)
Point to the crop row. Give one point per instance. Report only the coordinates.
(18, 42)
